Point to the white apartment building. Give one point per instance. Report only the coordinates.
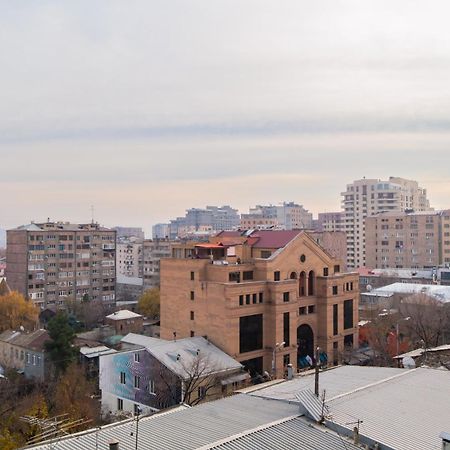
(367, 197)
(130, 257)
(153, 251)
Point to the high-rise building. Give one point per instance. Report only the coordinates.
(370, 196)
(130, 257)
(408, 239)
(153, 251)
(55, 262)
(160, 231)
(267, 298)
(330, 221)
(129, 232)
(211, 219)
(287, 216)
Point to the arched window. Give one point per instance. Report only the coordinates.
(302, 284)
(311, 281)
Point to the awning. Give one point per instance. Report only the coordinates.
(235, 378)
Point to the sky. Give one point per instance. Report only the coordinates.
(146, 108)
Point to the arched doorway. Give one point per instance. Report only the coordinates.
(305, 346)
(293, 276)
(311, 280)
(302, 284)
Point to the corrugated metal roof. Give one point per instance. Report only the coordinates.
(186, 429)
(335, 381)
(407, 412)
(312, 405)
(439, 292)
(295, 433)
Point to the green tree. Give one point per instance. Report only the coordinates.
(149, 303)
(60, 347)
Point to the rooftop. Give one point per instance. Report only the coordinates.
(32, 341)
(123, 314)
(62, 226)
(438, 292)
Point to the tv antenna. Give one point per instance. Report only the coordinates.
(92, 214)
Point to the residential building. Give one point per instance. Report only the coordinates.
(367, 197)
(212, 219)
(330, 221)
(161, 231)
(154, 374)
(408, 239)
(287, 216)
(125, 322)
(153, 251)
(129, 232)
(250, 292)
(128, 289)
(130, 257)
(55, 262)
(25, 352)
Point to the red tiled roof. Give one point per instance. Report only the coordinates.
(229, 234)
(272, 238)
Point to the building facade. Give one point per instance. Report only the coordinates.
(367, 197)
(130, 257)
(55, 262)
(153, 252)
(408, 239)
(330, 221)
(267, 298)
(160, 231)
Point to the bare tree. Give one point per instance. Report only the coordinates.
(429, 319)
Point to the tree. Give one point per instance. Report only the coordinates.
(60, 347)
(149, 303)
(428, 319)
(16, 311)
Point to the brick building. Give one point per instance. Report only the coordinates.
(55, 262)
(251, 292)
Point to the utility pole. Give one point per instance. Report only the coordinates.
(316, 377)
(138, 411)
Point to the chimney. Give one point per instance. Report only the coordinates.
(113, 445)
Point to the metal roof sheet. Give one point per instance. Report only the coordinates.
(407, 412)
(183, 429)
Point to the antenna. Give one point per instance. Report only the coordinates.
(92, 214)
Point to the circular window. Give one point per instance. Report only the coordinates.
(302, 258)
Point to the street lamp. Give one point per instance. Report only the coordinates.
(397, 333)
(274, 367)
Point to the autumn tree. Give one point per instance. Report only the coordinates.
(428, 319)
(60, 347)
(149, 303)
(16, 311)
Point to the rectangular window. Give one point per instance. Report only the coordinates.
(348, 314)
(302, 310)
(137, 382)
(337, 269)
(286, 329)
(137, 357)
(234, 277)
(247, 275)
(247, 299)
(348, 340)
(335, 290)
(311, 309)
(325, 271)
(192, 334)
(192, 276)
(285, 296)
(119, 404)
(192, 315)
(254, 299)
(261, 297)
(122, 377)
(266, 254)
(250, 333)
(241, 300)
(192, 295)
(201, 392)
(335, 320)
(151, 387)
(276, 276)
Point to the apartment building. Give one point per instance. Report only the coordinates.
(213, 218)
(160, 231)
(153, 251)
(129, 232)
(370, 196)
(130, 257)
(55, 262)
(267, 298)
(287, 216)
(408, 239)
(330, 221)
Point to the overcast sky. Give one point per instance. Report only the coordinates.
(146, 108)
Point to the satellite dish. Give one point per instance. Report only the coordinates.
(369, 288)
(408, 362)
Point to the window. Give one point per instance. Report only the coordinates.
(335, 290)
(348, 314)
(286, 360)
(311, 309)
(192, 315)
(276, 276)
(234, 277)
(325, 271)
(337, 269)
(151, 387)
(247, 299)
(119, 404)
(201, 391)
(241, 300)
(137, 382)
(192, 276)
(286, 329)
(250, 333)
(348, 340)
(122, 377)
(335, 320)
(261, 297)
(266, 254)
(254, 299)
(192, 333)
(192, 295)
(137, 357)
(285, 296)
(247, 275)
(302, 310)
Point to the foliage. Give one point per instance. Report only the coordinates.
(149, 303)
(60, 347)
(16, 311)
(88, 312)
